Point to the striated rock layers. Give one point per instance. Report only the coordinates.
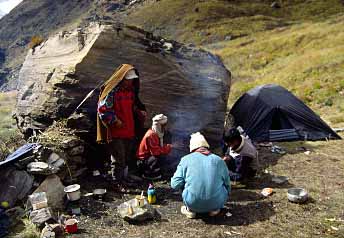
(189, 85)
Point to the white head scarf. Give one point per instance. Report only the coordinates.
(159, 120)
(131, 74)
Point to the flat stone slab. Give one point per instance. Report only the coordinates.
(139, 213)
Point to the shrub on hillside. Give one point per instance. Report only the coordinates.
(35, 41)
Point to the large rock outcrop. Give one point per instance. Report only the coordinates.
(34, 18)
(189, 85)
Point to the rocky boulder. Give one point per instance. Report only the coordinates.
(54, 190)
(15, 185)
(189, 85)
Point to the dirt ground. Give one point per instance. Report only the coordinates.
(247, 213)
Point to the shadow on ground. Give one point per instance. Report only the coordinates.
(241, 214)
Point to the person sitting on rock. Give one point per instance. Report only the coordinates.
(241, 155)
(204, 178)
(152, 148)
(119, 112)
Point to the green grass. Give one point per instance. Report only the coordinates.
(29, 231)
(9, 135)
(203, 22)
(307, 59)
(7, 123)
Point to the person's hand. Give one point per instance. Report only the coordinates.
(226, 158)
(144, 113)
(118, 123)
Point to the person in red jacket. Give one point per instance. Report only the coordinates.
(152, 148)
(118, 110)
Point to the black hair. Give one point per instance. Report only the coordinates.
(231, 135)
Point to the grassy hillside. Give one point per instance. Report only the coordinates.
(299, 46)
(202, 22)
(10, 138)
(7, 124)
(308, 59)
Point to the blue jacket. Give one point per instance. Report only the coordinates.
(205, 180)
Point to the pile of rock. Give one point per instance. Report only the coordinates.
(62, 148)
(57, 158)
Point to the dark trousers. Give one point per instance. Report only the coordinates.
(239, 168)
(150, 166)
(122, 153)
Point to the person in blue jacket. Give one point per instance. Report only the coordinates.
(204, 178)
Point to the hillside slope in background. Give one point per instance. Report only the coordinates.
(307, 59)
(297, 46)
(204, 22)
(34, 18)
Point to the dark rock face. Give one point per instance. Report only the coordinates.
(189, 85)
(15, 185)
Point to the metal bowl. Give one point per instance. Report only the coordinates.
(73, 192)
(99, 193)
(298, 195)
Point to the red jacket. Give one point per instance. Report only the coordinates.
(123, 106)
(150, 146)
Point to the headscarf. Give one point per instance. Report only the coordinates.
(158, 121)
(114, 80)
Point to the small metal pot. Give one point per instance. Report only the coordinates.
(99, 193)
(298, 195)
